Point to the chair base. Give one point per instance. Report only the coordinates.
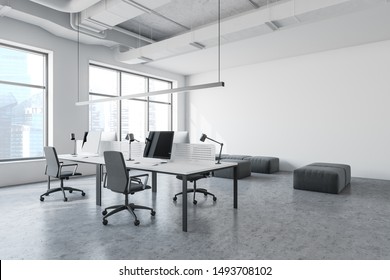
(130, 207)
(63, 189)
(197, 190)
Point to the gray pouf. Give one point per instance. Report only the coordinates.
(322, 177)
(226, 156)
(261, 164)
(243, 169)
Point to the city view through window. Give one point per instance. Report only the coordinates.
(135, 116)
(23, 95)
(22, 103)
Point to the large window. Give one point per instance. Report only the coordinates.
(136, 115)
(23, 95)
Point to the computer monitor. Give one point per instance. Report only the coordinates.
(159, 144)
(91, 142)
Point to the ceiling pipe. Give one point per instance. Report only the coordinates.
(67, 6)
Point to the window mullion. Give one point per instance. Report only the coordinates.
(147, 106)
(24, 115)
(120, 107)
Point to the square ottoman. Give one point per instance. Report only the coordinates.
(243, 169)
(261, 164)
(322, 177)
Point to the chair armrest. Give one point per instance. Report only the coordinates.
(136, 178)
(67, 165)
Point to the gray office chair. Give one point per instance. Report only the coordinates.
(194, 178)
(54, 168)
(118, 180)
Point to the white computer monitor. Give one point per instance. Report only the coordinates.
(91, 145)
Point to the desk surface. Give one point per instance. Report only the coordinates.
(177, 167)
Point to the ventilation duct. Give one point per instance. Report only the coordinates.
(254, 23)
(109, 13)
(4, 10)
(67, 6)
(284, 14)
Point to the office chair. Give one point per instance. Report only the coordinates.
(193, 179)
(54, 168)
(118, 180)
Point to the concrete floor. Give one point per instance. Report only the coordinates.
(273, 221)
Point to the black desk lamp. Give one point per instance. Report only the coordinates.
(130, 137)
(204, 137)
(73, 138)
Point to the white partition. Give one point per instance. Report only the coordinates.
(137, 148)
(109, 146)
(193, 152)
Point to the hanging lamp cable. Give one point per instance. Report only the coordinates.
(219, 40)
(78, 59)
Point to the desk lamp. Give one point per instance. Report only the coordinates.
(204, 137)
(130, 137)
(73, 138)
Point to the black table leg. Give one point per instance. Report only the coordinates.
(154, 181)
(99, 171)
(184, 202)
(235, 199)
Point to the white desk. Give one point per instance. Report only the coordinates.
(183, 168)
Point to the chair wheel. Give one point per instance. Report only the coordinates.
(214, 198)
(41, 198)
(105, 222)
(153, 213)
(136, 222)
(175, 198)
(70, 191)
(104, 212)
(195, 202)
(65, 199)
(83, 194)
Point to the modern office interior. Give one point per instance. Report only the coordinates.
(297, 91)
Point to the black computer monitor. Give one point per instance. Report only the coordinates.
(159, 144)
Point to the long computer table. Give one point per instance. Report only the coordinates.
(155, 166)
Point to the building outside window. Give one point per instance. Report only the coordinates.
(23, 96)
(136, 116)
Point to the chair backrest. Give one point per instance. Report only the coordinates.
(117, 173)
(52, 162)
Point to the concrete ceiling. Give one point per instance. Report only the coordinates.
(187, 15)
(361, 27)
(160, 32)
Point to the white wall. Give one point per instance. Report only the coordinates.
(67, 117)
(331, 106)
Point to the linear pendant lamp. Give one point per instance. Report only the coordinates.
(173, 90)
(137, 95)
